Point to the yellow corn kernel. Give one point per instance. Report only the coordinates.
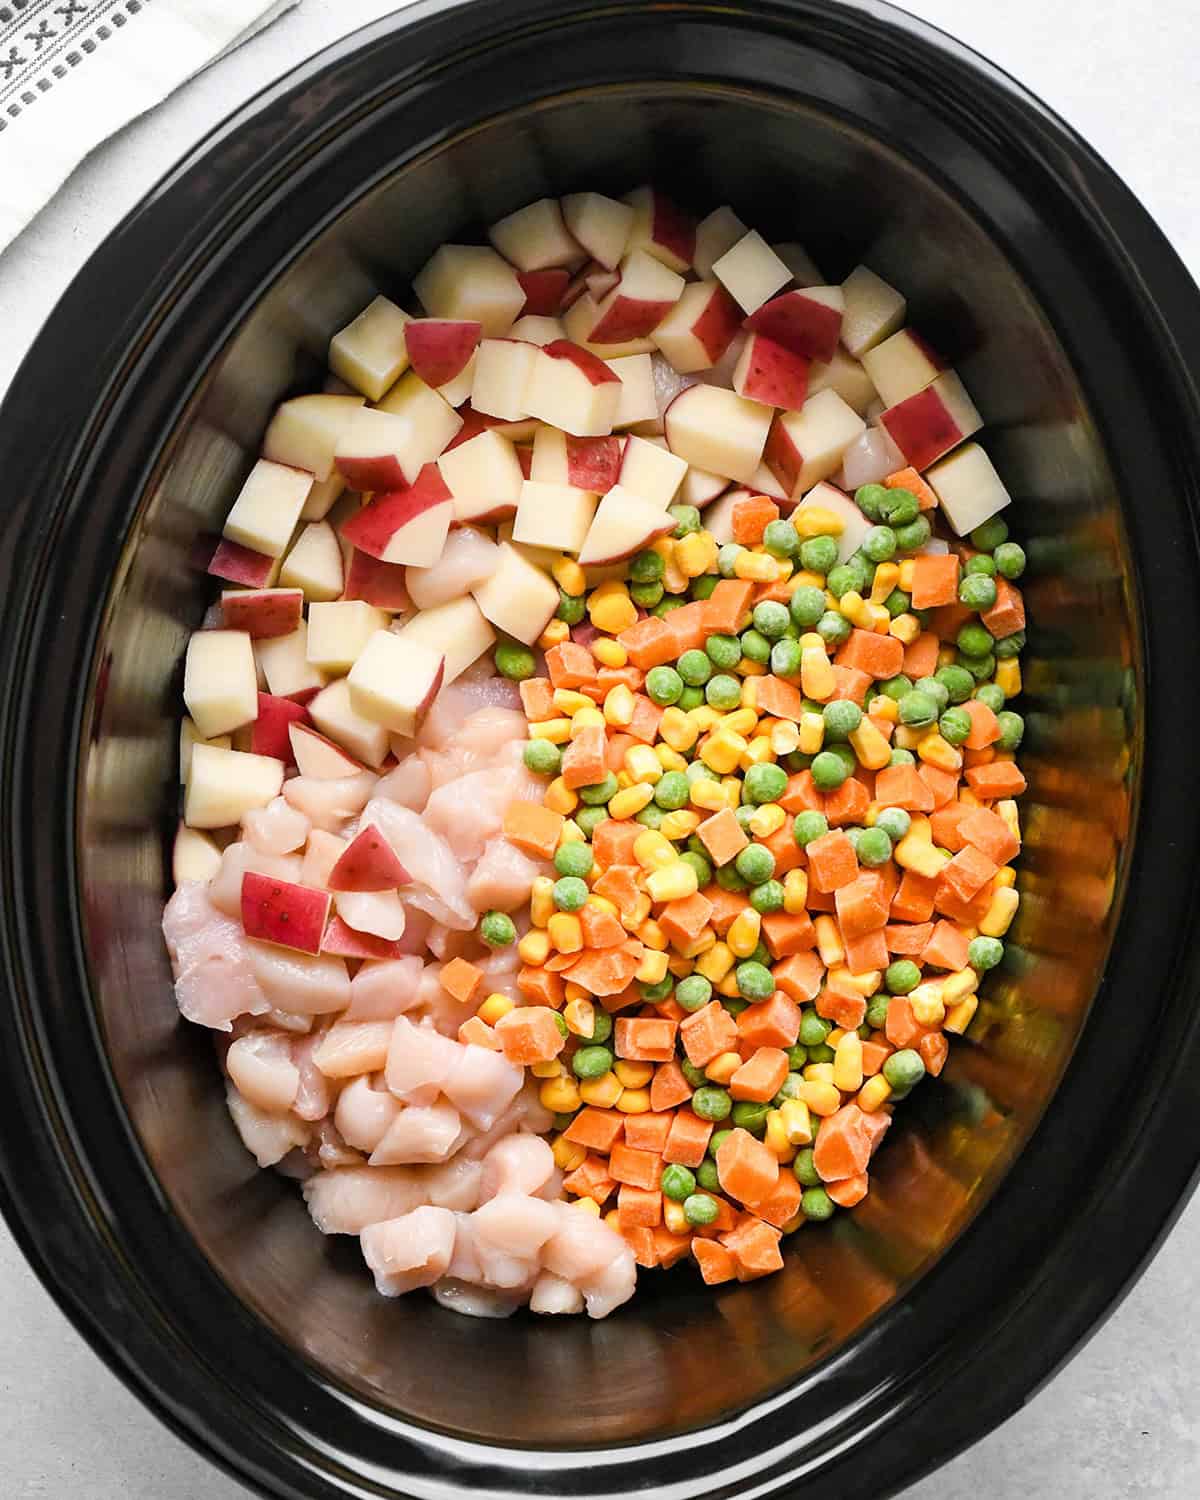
(1008, 676)
(869, 745)
(815, 520)
(624, 779)
(795, 892)
(630, 801)
(573, 991)
(848, 1063)
(928, 1007)
(557, 731)
(603, 1092)
(744, 932)
(880, 619)
(854, 607)
(766, 819)
(797, 1123)
(664, 546)
(559, 797)
(541, 900)
(946, 656)
(907, 737)
(1004, 878)
(785, 737)
(652, 936)
(678, 965)
(887, 577)
(678, 729)
(918, 855)
(907, 570)
(816, 674)
(619, 706)
(559, 1095)
(494, 1007)
(748, 668)
(565, 931)
(905, 628)
(811, 733)
(570, 833)
(757, 751)
(634, 1075)
(819, 1073)
(580, 1016)
(641, 910)
(668, 759)
(612, 612)
(822, 1098)
(759, 567)
(586, 718)
(1007, 809)
(723, 1067)
(642, 764)
(731, 790)
(961, 1015)
(722, 751)
(674, 579)
(795, 1222)
(675, 882)
(609, 653)
(883, 707)
(534, 947)
(680, 824)
(740, 721)
(749, 696)
(858, 984)
(775, 1138)
(705, 717)
(569, 702)
(652, 851)
(674, 1217)
(921, 828)
(728, 986)
(613, 1219)
(874, 1094)
(935, 751)
(716, 963)
(548, 1068)
(807, 580)
(707, 794)
(569, 576)
(829, 942)
(567, 1154)
(634, 1102)
(1000, 913)
(653, 967)
(700, 944)
(696, 553)
(587, 1206)
(554, 634)
(959, 985)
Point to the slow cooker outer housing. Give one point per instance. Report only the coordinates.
(905, 1331)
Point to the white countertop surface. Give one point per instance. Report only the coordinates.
(1122, 1419)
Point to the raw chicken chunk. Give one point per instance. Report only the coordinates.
(215, 981)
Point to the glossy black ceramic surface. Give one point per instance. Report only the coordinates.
(913, 1324)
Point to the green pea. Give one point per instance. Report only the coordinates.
(677, 1182)
(974, 639)
(694, 667)
(806, 1173)
(755, 863)
(768, 897)
(959, 684)
(571, 607)
(913, 534)
(821, 1053)
(691, 697)
(842, 580)
(723, 691)
(717, 1140)
(1010, 645)
(785, 658)
(755, 646)
(771, 619)
(663, 686)
(698, 771)
(900, 508)
(695, 1076)
(918, 709)
(657, 991)
(574, 858)
(702, 866)
(1012, 730)
(877, 1010)
(842, 717)
(990, 696)
(980, 667)
(1010, 560)
(900, 757)
(780, 539)
(650, 816)
(895, 822)
(592, 1062)
(874, 848)
(673, 791)
(870, 500)
(834, 628)
(809, 825)
(813, 1029)
(977, 591)
(896, 687)
(569, 893)
(496, 929)
(797, 1056)
(724, 651)
(646, 567)
(664, 606)
(897, 603)
(764, 783)
(828, 771)
(727, 556)
(702, 587)
(711, 1103)
(750, 1115)
(686, 518)
(904, 1070)
(694, 992)
(646, 594)
(955, 725)
(599, 792)
(514, 661)
(602, 1026)
(542, 758)
(707, 1177)
(984, 953)
(588, 819)
(700, 1209)
(754, 980)
(934, 689)
(989, 535)
(807, 605)
(879, 544)
(980, 563)
(902, 976)
(733, 1005)
(818, 554)
(816, 1204)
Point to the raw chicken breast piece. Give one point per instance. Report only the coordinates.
(364, 1114)
(475, 1301)
(418, 1062)
(467, 559)
(518, 1164)
(384, 988)
(278, 828)
(468, 812)
(314, 1098)
(268, 1138)
(413, 1250)
(215, 981)
(438, 879)
(378, 913)
(352, 1047)
(345, 1201)
(503, 878)
(304, 983)
(551, 1294)
(419, 1133)
(330, 804)
(260, 1067)
(409, 784)
(481, 1084)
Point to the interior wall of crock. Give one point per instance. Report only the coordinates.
(797, 175)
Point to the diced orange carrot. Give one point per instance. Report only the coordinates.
(783, 1204)
(532, 828)
(847, 807)
(595, 1128)
(786, 933)
(999, 779)
(907, 939)
(990, 834)
(728, 605)
(920, 656)
(850, 683)
(750, 517)
(670, 1009)
(755, 1249)
(726, 906)
(799, 978)
(684, 920)
(530, 1034)
(584, 761)
(641, 1242)
(638, 1168)
(614, 752)
(860, 908)
(982, 757)
(670, 1248)
(648, 1132)
(879, 656)
(866, 952)
(843, 1146)
(669, 1087)
(645, 1039)
(935, 580)
(944, 825)
(775, 1022)
(610, 677)
(618, 884)
(970, 911)
(648, 643)
(910, 479)
(722, 836)
(761, 1076)
(985, 730)
(801, 794)
(849, 1190)
(1007, 615)
(537, 700)
(646, 717)
(687, 1140)
(591, 1179)
(784, 850)
(934, 1050)
(943, 785)
(475, 1032)
(947, 947)
(557, 962)
(630, 995)
(608, 970)
(600, 928)
(570, 665)
(845, 1008)
(901, 786)
(874, 1055)
(746, 1169)
(542, 985)
(832, 862)
(689, 626)
(638, 1208)
(968, 872)
(613, 841)
(707, 1032)
(778, 698)
(902, 1029)
(460, 979)
(716, 1263)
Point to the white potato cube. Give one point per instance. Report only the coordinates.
(535, 237)
(323, 497)
(285, 664)
(534, 329)
(601, 225)
(624, 524)
(338, 632)
(434, 421)
(314, 564)
(583, 316)
(304, 432)
(660, 228)
(194, 855)
(471, 283)
(800, 263)
(455, 630)
(553, 515)
(484, 476)
(637, 304)
(220, 686)
(650, 471)
(700, 328)
(807, 445)
(337, 713)
(227, 784)
(189, 737)
(968, 488)
(574, 390)
(458, 390)
(716, 429)
(874, 310)
(502, 372)
(700, 488)
(901, 366)
(369, 354)
(390, 687)
(636, 402)
(751, 272)
(845, 375)
(265, 513)
(518, 598)
(716, 234)
(855, 524)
